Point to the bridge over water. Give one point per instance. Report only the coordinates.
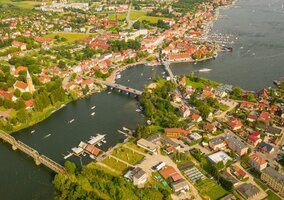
(39, 159)
(169, 71)
(128, 90)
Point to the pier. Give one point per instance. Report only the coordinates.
(39, 159)
(119, 87)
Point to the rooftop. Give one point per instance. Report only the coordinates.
(274, 174)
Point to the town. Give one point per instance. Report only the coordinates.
(202, 139)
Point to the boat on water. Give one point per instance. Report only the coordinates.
(118, 76)
(138, 110)
(109, 93)
(205, 70)
(92, 108)
(128, 80)
(71, 121)
(163, 72)
(92, 156)
(32, 131)
(46, 136)
(93, 113)
(142, 74)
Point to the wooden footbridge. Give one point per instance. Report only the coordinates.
(39, 159)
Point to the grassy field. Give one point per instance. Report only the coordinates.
(114, 164)
(272, 196)
(71, 37)
(134, 14)
(139, 15)
(208, 187)
(121, 16)
(94, 165)
(21, 4)
(127, 155)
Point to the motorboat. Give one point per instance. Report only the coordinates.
(71, 121)
(205, 70)
(46, 136)
(32, 131)
(93, 113)
(93, 107)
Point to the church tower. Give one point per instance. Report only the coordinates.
(30, 82)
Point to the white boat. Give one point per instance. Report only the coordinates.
(163, 72)
(93, 107)
(128, 80)
(109, 93)
(103, 141)
(46, 136)
(71, 121)
(138, 110)
(141, 74)
(92, 156)
(93, 113)
(118, 76)
(32, 131)
(205, 70)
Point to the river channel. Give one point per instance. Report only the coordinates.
(257, 59)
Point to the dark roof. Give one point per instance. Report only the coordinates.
(185, 166)
(265, 147)
(226, 175)
(248, 190)
(274, 174)
(269, 129)
(138, 173)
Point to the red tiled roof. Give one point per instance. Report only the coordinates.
(29, 103)
(176, 177)
(167, 172)
(176, 130)
(5, 94)
(93, 150)
(20, 68)
(255, 158)
(20, 84)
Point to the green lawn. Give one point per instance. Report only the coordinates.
(94, 165)
(114, 164)
(272, 196)
(127, 155)
(134, 14)
(139, 15)
(71, 37)
(121, 16)
(210, 188)
(151, 19)
(260, 184)
(21, 4)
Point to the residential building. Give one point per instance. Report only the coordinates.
(145, 144)
(175, 132)
(237, 146)
(180, 185)
(248, 191)
(220, 156)
(217, 143)
(195, 136)
(274, 179)
(256, 162)
(234, 123)
(265, 147)
(139, 176)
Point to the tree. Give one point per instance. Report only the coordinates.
(17, 92)
(70, 167)
(23, 116)
(62, 64)
(26, 96)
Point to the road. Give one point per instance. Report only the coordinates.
(129, 21)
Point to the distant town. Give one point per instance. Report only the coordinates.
(201, 139)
